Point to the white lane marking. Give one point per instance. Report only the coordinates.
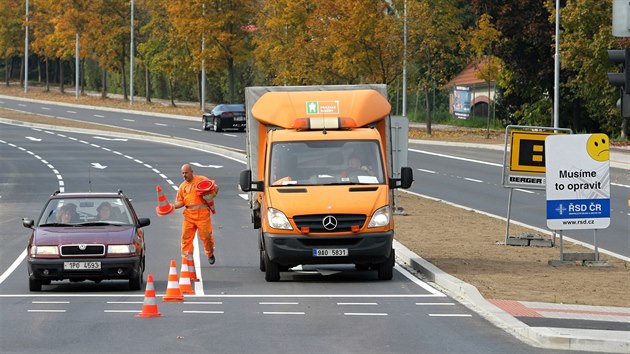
(21, 105)
(427, 171)
(435, 303)
(283, 313)
(619, 185)
(524, 191)
(204, 312)
(449, 315)
(195, 129)
(161, 124)
(46, 310)
(110, 139)
(357, 303)
(33, 139)
(203, 302)
(46, 108)
(456, 158)
(73, 112)
(125, 302)
(364, 314)
(231, 135)
(202, 165)
(473, 180)
(278, 303)
(99, 116)
(425, 286)
(98, 165)
(236, 296)
(244, 196)
(129, 120)
(50, 302)
(121, 311)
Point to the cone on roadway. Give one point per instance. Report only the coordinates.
(149, 309)
(173, 293)
(185, 286)
(191, 267)
(164, 207)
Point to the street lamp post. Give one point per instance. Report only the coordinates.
(26, 52)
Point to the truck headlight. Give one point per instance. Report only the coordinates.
(44, 251)
(278, 220)
(380, 217)
(121, 249)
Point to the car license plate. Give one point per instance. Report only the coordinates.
(81, 265)
(330, 252)
(239, 119)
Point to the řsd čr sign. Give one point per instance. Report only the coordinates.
(578, 181)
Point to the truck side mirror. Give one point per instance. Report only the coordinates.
(406, 180)
(246, 183)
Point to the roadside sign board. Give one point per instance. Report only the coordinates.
(578, 181)
(524, 161)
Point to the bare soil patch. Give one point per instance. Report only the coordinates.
(463, 243)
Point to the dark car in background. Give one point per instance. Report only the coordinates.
(224, 116)
(86, 236)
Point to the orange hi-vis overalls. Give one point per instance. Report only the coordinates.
(196, 218)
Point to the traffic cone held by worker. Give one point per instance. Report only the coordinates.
(208, 190)
(173, 293)
(164, 207)
(185, 285)
(149, 309)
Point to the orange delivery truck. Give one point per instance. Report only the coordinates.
(320, 176)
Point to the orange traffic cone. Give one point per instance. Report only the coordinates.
(184, 280)
(149, 309)
(191, 267)
(173, 293)
(164, 207)
(208, 190)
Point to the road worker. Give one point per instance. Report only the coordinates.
(196, 215)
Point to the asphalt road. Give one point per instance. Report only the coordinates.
(330, 309)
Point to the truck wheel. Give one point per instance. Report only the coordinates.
(34, 284)
(272, 271)
(262, 261)
(386, 269)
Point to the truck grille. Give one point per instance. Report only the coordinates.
(315, 223)
(83, 250)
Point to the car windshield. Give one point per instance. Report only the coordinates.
(326, 162)
(85, 211)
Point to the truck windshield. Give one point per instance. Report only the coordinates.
(326, 162)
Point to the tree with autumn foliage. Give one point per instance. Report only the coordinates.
(11, 32)
(436, 40)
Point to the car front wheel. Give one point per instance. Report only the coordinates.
(217, 125)
(135, 282)
(34, 284)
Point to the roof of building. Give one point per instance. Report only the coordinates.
(468, 76)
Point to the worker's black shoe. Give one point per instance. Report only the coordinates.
(211, 260)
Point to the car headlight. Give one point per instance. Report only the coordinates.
(44, 251)
(380, 217)
(121, 249)
(278, 220)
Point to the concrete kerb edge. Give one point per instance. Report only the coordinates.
(469, 295)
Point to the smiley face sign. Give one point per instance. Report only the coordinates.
(598, 147)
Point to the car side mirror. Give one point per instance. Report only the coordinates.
(142, 222)
(28, 223)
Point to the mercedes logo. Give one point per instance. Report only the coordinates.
(329, 222)
(82, 247)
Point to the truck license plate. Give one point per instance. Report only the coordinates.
(330, 252)
(81, 265)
